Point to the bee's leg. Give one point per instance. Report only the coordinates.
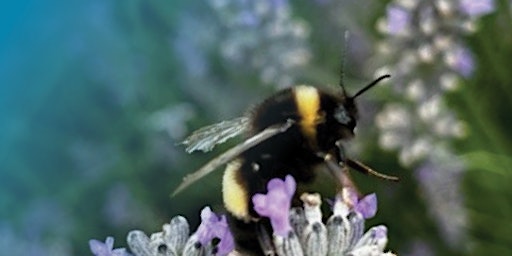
(337, 169)
(358, 166)
(340, 152)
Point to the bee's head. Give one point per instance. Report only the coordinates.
(346, 112)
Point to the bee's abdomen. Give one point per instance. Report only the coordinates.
(235, 193)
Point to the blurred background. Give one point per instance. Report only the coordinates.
(95, 95)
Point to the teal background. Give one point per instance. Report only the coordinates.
(79, 158)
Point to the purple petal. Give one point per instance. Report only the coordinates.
(476, 8)
(398, 19)
(98, 248)
(212, 227)
(203, 232)
(281, 225)
(276, 204)
(275, 184)
(260, 204)
(221, 231)
(207, 215)
(367, 206)
(227, 243)
(109, 242)
(290, 185)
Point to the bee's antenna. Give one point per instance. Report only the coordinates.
(346, 36)
(376, 81)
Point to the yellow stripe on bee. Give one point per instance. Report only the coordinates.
(233, 193)
(307, 99)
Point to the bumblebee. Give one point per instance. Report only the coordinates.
(291, 132)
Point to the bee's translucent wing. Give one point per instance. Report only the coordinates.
(207, 137)
(232, 154)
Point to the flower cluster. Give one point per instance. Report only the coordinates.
(424, 44)
(212, 237)
(296, 231)
(300, 231)
(263, 36)
(258, 37)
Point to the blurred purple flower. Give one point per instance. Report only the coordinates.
(440, 176)
(248, 18)
(477, 8)
(279, 3)
(435, 38)
(398, 19)
(99, 248)
(461, 60)
(261, 36)
(212, 227)
(276, 204)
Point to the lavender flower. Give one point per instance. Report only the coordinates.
(314, 233)
(212, 237)
(263, 36)
(424, 49)
(307, 235)
(276, 204)
(99, 248)
(171, 241)
(260, 37)
(413, 43)
(213, 227)
(373, 242)
(345, 228)
(460, 60)
(476, 8)
(399, 20)
(298, 231)
(438, 174)
(367, 206)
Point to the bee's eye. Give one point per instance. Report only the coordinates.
(341, 114)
